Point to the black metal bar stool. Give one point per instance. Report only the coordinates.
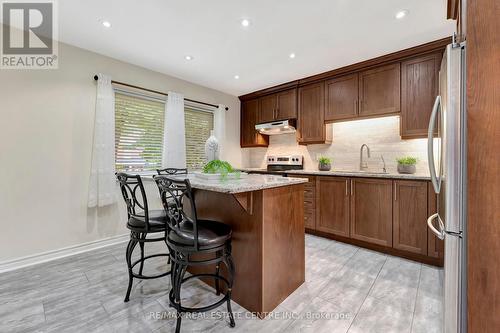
(141, 222)
(188, 236)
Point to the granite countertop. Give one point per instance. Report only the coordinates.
(347, 173)
(252, 182)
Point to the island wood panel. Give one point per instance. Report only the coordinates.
(332, 202)
(435, 246)
(283, 245)
(341, 98)
(419, 88)
(249, 137)
(410, 216)
(379, 91)
(246, 243)
(483, 182)
(267, 242)
(287, 104)
(371, 210)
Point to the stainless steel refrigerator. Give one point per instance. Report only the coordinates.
(447, 165)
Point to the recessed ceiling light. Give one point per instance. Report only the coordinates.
(401, 14)
(106, 24)
(292, 55)
(236, 77)
(188, 57)
(245, 22)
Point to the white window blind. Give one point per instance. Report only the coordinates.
(139, 126)
(198, 126)
(138, 133)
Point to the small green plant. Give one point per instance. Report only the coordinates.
(222, 167)
(407, 160)
(324, 160)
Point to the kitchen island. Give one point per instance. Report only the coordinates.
(266, 214)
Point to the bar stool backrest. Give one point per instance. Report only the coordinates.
(172, 171)
(137, 203)
(177, 198)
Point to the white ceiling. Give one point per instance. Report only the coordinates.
(324, 34)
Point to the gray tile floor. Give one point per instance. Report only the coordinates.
(347, 289)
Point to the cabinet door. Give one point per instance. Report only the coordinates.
(410, 216)
(311, 122)
(267, 109)
(341, 98)
(371, 210)
(379, 91)
(287, 104)
(249, 137)
(309, 201)
(435, 245)
(332, 205)
(419, 88)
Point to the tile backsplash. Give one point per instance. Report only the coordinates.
(380, 134)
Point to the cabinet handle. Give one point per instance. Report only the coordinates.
(276, 116)
(352, 189)
(356, 106)
(395, 192)
(346, 188)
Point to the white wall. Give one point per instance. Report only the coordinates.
(381, 135)
(46, 128)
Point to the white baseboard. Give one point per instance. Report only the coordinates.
(39, 258)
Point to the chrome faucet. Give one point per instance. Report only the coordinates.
(383, 161)
(363, 165)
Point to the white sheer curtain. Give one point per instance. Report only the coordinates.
(220, 128)
(174, 135)
(102, 173)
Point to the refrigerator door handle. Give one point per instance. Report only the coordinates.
(430, 145)
(439, 233)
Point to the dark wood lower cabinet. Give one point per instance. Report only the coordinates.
(409, 226)
(386, 215)
(332, 205)
(309, 202)
(371, 210)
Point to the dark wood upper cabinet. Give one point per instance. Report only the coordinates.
(332, 205)
(419, 88)
(341, 98)
(249, 137)
(286, 104)
(371, 210)
(435, 246)
(267, 108)
(311, 114)
(410, 216)
(279, 106)
(379, 91)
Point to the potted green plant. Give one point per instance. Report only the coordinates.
(217, 170)
(324, 163)
(407, 164)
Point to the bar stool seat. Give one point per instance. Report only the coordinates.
(157, 221)
(210, 234)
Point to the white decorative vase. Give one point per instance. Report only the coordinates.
(212, 148)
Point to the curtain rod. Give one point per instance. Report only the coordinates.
(158, 92)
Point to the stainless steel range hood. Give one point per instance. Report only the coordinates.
(276, 127)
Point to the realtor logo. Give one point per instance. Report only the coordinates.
(29, 35)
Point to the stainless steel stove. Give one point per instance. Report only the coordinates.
(286, 162)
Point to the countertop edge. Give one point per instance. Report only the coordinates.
(342, 174)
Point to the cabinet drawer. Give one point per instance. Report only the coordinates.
(308, 206)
